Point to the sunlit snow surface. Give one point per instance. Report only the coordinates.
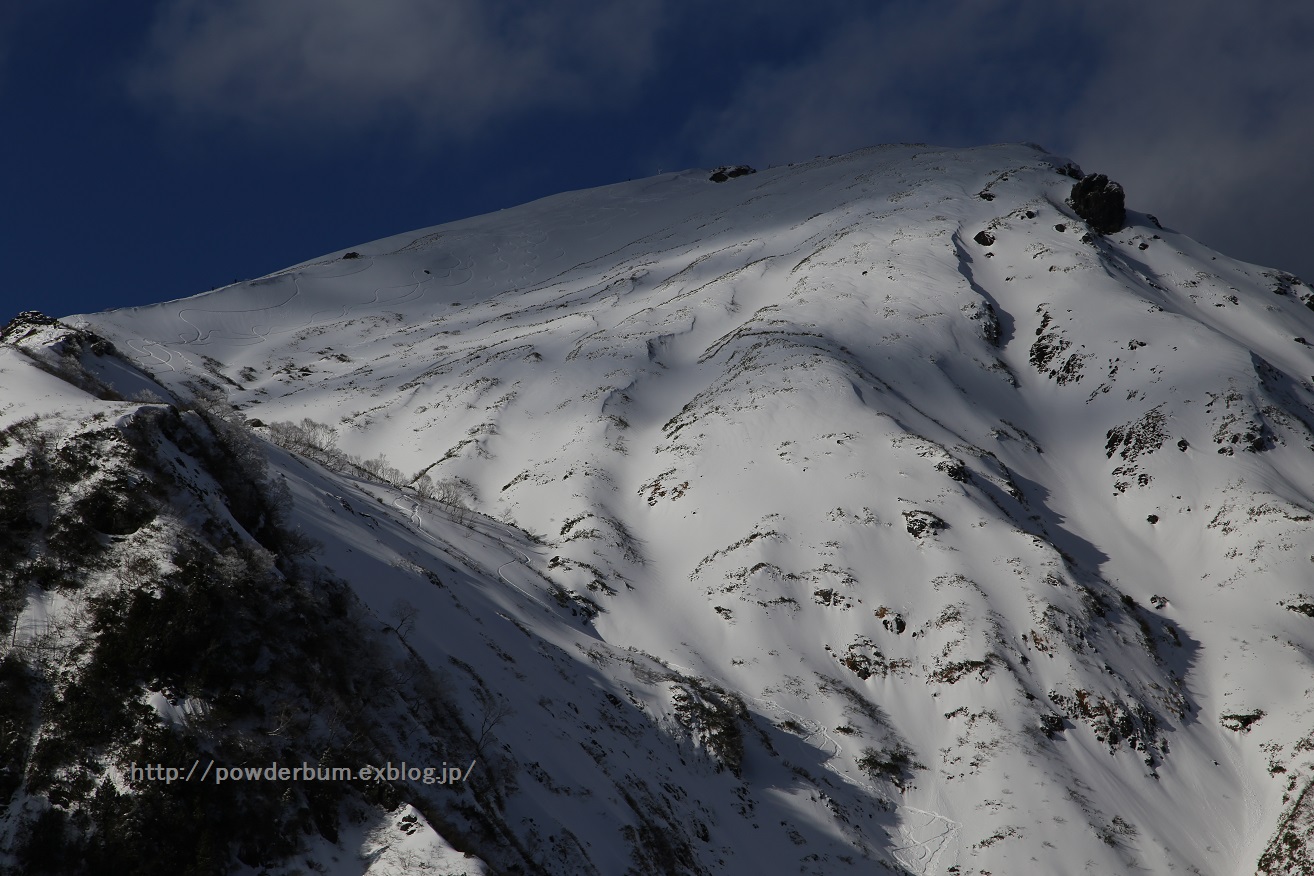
(723, 410)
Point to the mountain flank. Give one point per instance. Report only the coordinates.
(916, 511)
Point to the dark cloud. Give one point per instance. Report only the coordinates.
(1202, 109)
(944, 71)
(451, 66)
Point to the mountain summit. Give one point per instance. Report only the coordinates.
(875, 512)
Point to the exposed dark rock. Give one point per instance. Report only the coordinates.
(1153, 519)
(727, 172)
(1071, 170)
(1099, 201)
(1283, 282)
(26, 319)
(1240, 722)
(895, 765)
(1049, 345)
(955, 468)
(713, 717)
(1302, 606)
(1112, 721)
(1138, 438)
(351, 255)
(985, 238)
(923, 523)
(892, 620)
(34, 317)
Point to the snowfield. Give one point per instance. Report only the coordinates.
(811, 533)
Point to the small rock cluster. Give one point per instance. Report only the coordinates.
(727, 172)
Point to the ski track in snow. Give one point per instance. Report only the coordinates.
(413, 515)
(922, 853)
(143, 352)
(919, 853)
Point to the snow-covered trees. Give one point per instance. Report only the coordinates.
(319, 442)
(446, 493)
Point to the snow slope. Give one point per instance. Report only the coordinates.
(904, 547)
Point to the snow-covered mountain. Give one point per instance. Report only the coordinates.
(875, 512)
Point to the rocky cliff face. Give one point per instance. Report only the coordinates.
(164, 615)
(874, 512)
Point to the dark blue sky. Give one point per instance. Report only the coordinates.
(157, 149)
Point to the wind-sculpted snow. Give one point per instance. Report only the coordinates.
(943, 550)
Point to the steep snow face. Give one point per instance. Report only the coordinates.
(998, 530)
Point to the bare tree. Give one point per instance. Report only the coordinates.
(320, 436)
(424, 487)
(493, 711)
(405, 613)
(446, 493)
(385, 471)
(308, 438)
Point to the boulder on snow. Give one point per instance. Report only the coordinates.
(923, 523)
(721, 174)
(985, 238)
(1100, 201)
(1070, 169)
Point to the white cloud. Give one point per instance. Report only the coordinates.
(451, 64)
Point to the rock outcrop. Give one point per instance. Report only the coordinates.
(1100, 201)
